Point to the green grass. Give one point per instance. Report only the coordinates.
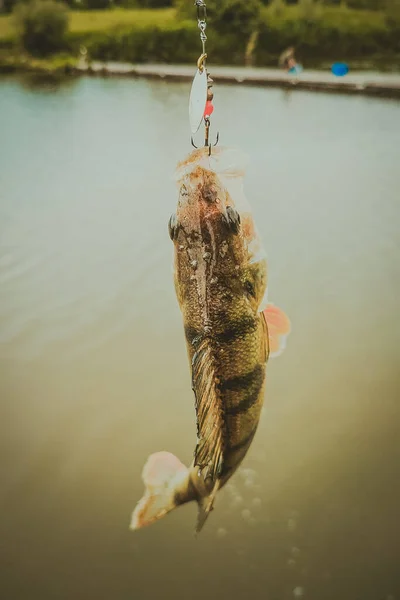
(21, 61)
(101, 20)
(6, 27)
(334, 15)
(353, 18)
(135, 35)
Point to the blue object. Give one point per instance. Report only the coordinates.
(296, 69)
(340, 69)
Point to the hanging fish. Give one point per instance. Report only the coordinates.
(220, 281)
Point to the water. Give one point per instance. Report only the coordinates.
(93, 369)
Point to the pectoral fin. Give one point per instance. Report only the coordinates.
(278, 329)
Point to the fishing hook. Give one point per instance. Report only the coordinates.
(213, 145)
(206, 141)
(209, 146)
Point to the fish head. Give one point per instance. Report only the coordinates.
(217, 254)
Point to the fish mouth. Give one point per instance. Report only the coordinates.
(202, 195)
(210, 184)
(207, 186)
(223, 161)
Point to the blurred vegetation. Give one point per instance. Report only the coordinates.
(225, 16)
(239, 31)
(42, 26)
(392, 13)
(277, 8)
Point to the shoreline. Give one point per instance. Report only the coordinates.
(368, 83)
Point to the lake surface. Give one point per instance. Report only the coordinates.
(93, 369)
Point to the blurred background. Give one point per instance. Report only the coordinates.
(93, 368)
(364, 33)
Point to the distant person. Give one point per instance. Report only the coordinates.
(83, 57)
(287, 61)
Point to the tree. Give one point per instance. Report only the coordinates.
(392, 12)
(42, 25)
(225, 16)
(277, 8)
(309, 10)
(155, 3)
(96, 4)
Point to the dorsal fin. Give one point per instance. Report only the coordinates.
(209, 449)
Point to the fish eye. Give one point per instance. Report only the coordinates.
(249, 288)
(232, 219)
(173, 227)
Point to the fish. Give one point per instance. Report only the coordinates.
(220, 277)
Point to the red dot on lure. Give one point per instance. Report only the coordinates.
(208, 109)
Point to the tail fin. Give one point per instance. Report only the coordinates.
(163, 474)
